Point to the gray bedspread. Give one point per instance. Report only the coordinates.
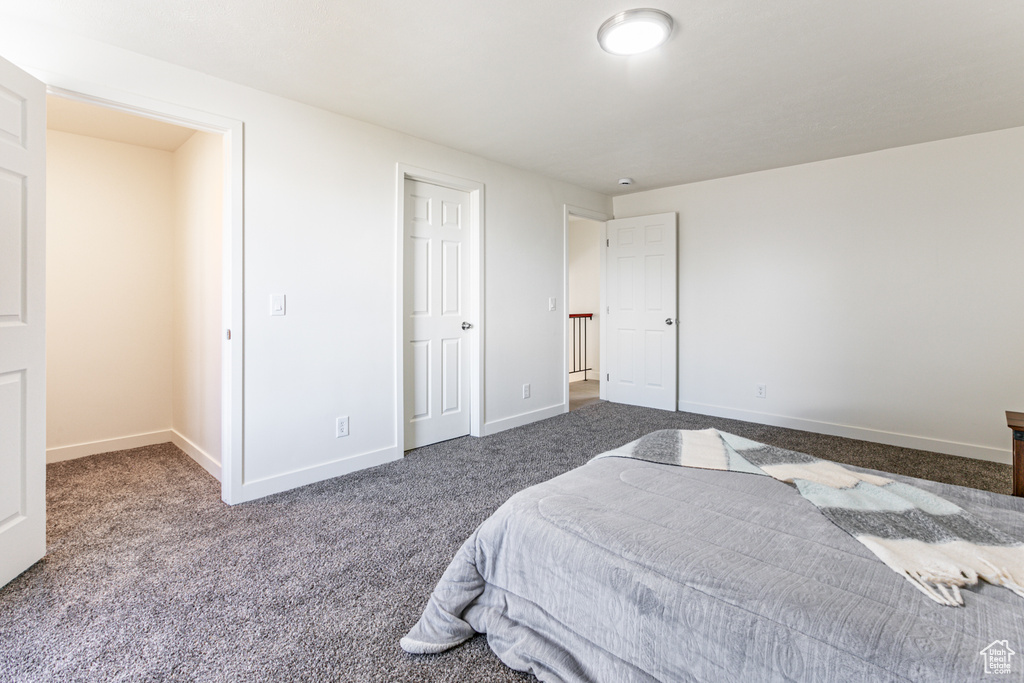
(624, 570)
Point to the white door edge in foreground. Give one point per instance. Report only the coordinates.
(22, 321)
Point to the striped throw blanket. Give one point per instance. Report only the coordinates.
(935, 544)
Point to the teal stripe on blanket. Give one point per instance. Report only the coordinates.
(894, 497)
(921, 499)
(863, 496)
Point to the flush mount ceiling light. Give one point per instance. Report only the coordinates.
(634, 31)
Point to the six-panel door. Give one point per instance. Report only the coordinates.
(436, 297)
(641, 318)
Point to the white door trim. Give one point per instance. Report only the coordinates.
(232, 264)
(579, 212)
(476, 292)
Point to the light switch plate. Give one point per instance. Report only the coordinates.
(277, 304)
(551, 303)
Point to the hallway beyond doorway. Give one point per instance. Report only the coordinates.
(583, 393)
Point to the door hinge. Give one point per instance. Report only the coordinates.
(608, 310)
(228, 335)
(607, 376)
(607, 243)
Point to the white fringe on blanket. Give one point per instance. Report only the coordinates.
(939, 570)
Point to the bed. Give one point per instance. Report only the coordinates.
(625, 570)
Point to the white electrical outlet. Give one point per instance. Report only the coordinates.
(762, 391)
(341, 427)
(526, 391)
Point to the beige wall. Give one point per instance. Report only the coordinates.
(585, 239)
(108, 273)
(873, 294)
(134, 289)
(198, 169)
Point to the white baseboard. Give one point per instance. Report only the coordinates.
(122, 443)
(251, 490)
(863, 433)
(524, 418)
(82, 450)
(205, 460)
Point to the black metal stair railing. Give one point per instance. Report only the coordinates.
(579, 343)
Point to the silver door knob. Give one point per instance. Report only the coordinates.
(668, 321)
(467, 326)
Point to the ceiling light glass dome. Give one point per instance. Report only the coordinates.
(634, 31)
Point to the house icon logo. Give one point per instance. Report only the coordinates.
(997, 657)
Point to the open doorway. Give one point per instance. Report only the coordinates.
(135, 226)
(584, 247)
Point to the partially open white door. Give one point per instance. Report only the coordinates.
(436, 322)
(22, 321)
(641, 316)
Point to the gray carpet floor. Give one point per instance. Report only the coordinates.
(150, 577)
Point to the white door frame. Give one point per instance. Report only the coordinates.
(580, 212)
(232, 283)
(476, 292)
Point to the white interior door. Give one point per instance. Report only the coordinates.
(437, 328)
(641, 317)
(22, 321)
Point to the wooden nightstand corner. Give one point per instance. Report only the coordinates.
(1015, 421)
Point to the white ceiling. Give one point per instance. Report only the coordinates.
(100, 122)
(742, 85)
